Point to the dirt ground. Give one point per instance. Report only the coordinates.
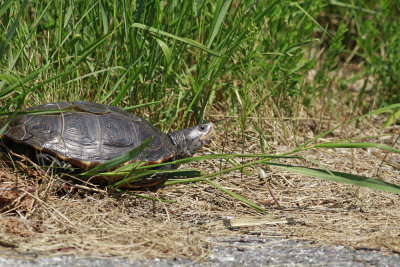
(51, 215)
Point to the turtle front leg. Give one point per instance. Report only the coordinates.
(47, 160)
(151, 182)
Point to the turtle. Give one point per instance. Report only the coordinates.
(82, 135)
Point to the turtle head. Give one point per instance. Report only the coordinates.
(188, 141)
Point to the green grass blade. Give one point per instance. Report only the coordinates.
(346, 5)
(68, 15)
(114, 88)
(89, 50)
(146, 172)
(238, 197)
(340, 177)
(95, 73)
(128, 84)
(217, 26)
(166, 50)
(310, 17)
(9, 78)
(11, 31)
(5, 6)
(355, 145)
(138, 176)
(392, 118)
(24, 80)
(32, 33)
(181, 39)
(104, 18)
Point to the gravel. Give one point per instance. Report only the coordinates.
(232, 251)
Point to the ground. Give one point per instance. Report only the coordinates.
(48, 214)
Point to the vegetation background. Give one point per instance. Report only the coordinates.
(237, 63)
(174, 60)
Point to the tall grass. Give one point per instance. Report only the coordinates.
(183, 55)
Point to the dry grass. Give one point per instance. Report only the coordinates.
(54, 217)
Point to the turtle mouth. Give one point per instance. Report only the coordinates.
(209, 133)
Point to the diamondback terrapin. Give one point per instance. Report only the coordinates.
(84, 135)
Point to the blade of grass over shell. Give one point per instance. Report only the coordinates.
(118, 160)
(33, 112)
(340, 177)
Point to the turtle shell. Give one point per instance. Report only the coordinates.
(87, 134)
